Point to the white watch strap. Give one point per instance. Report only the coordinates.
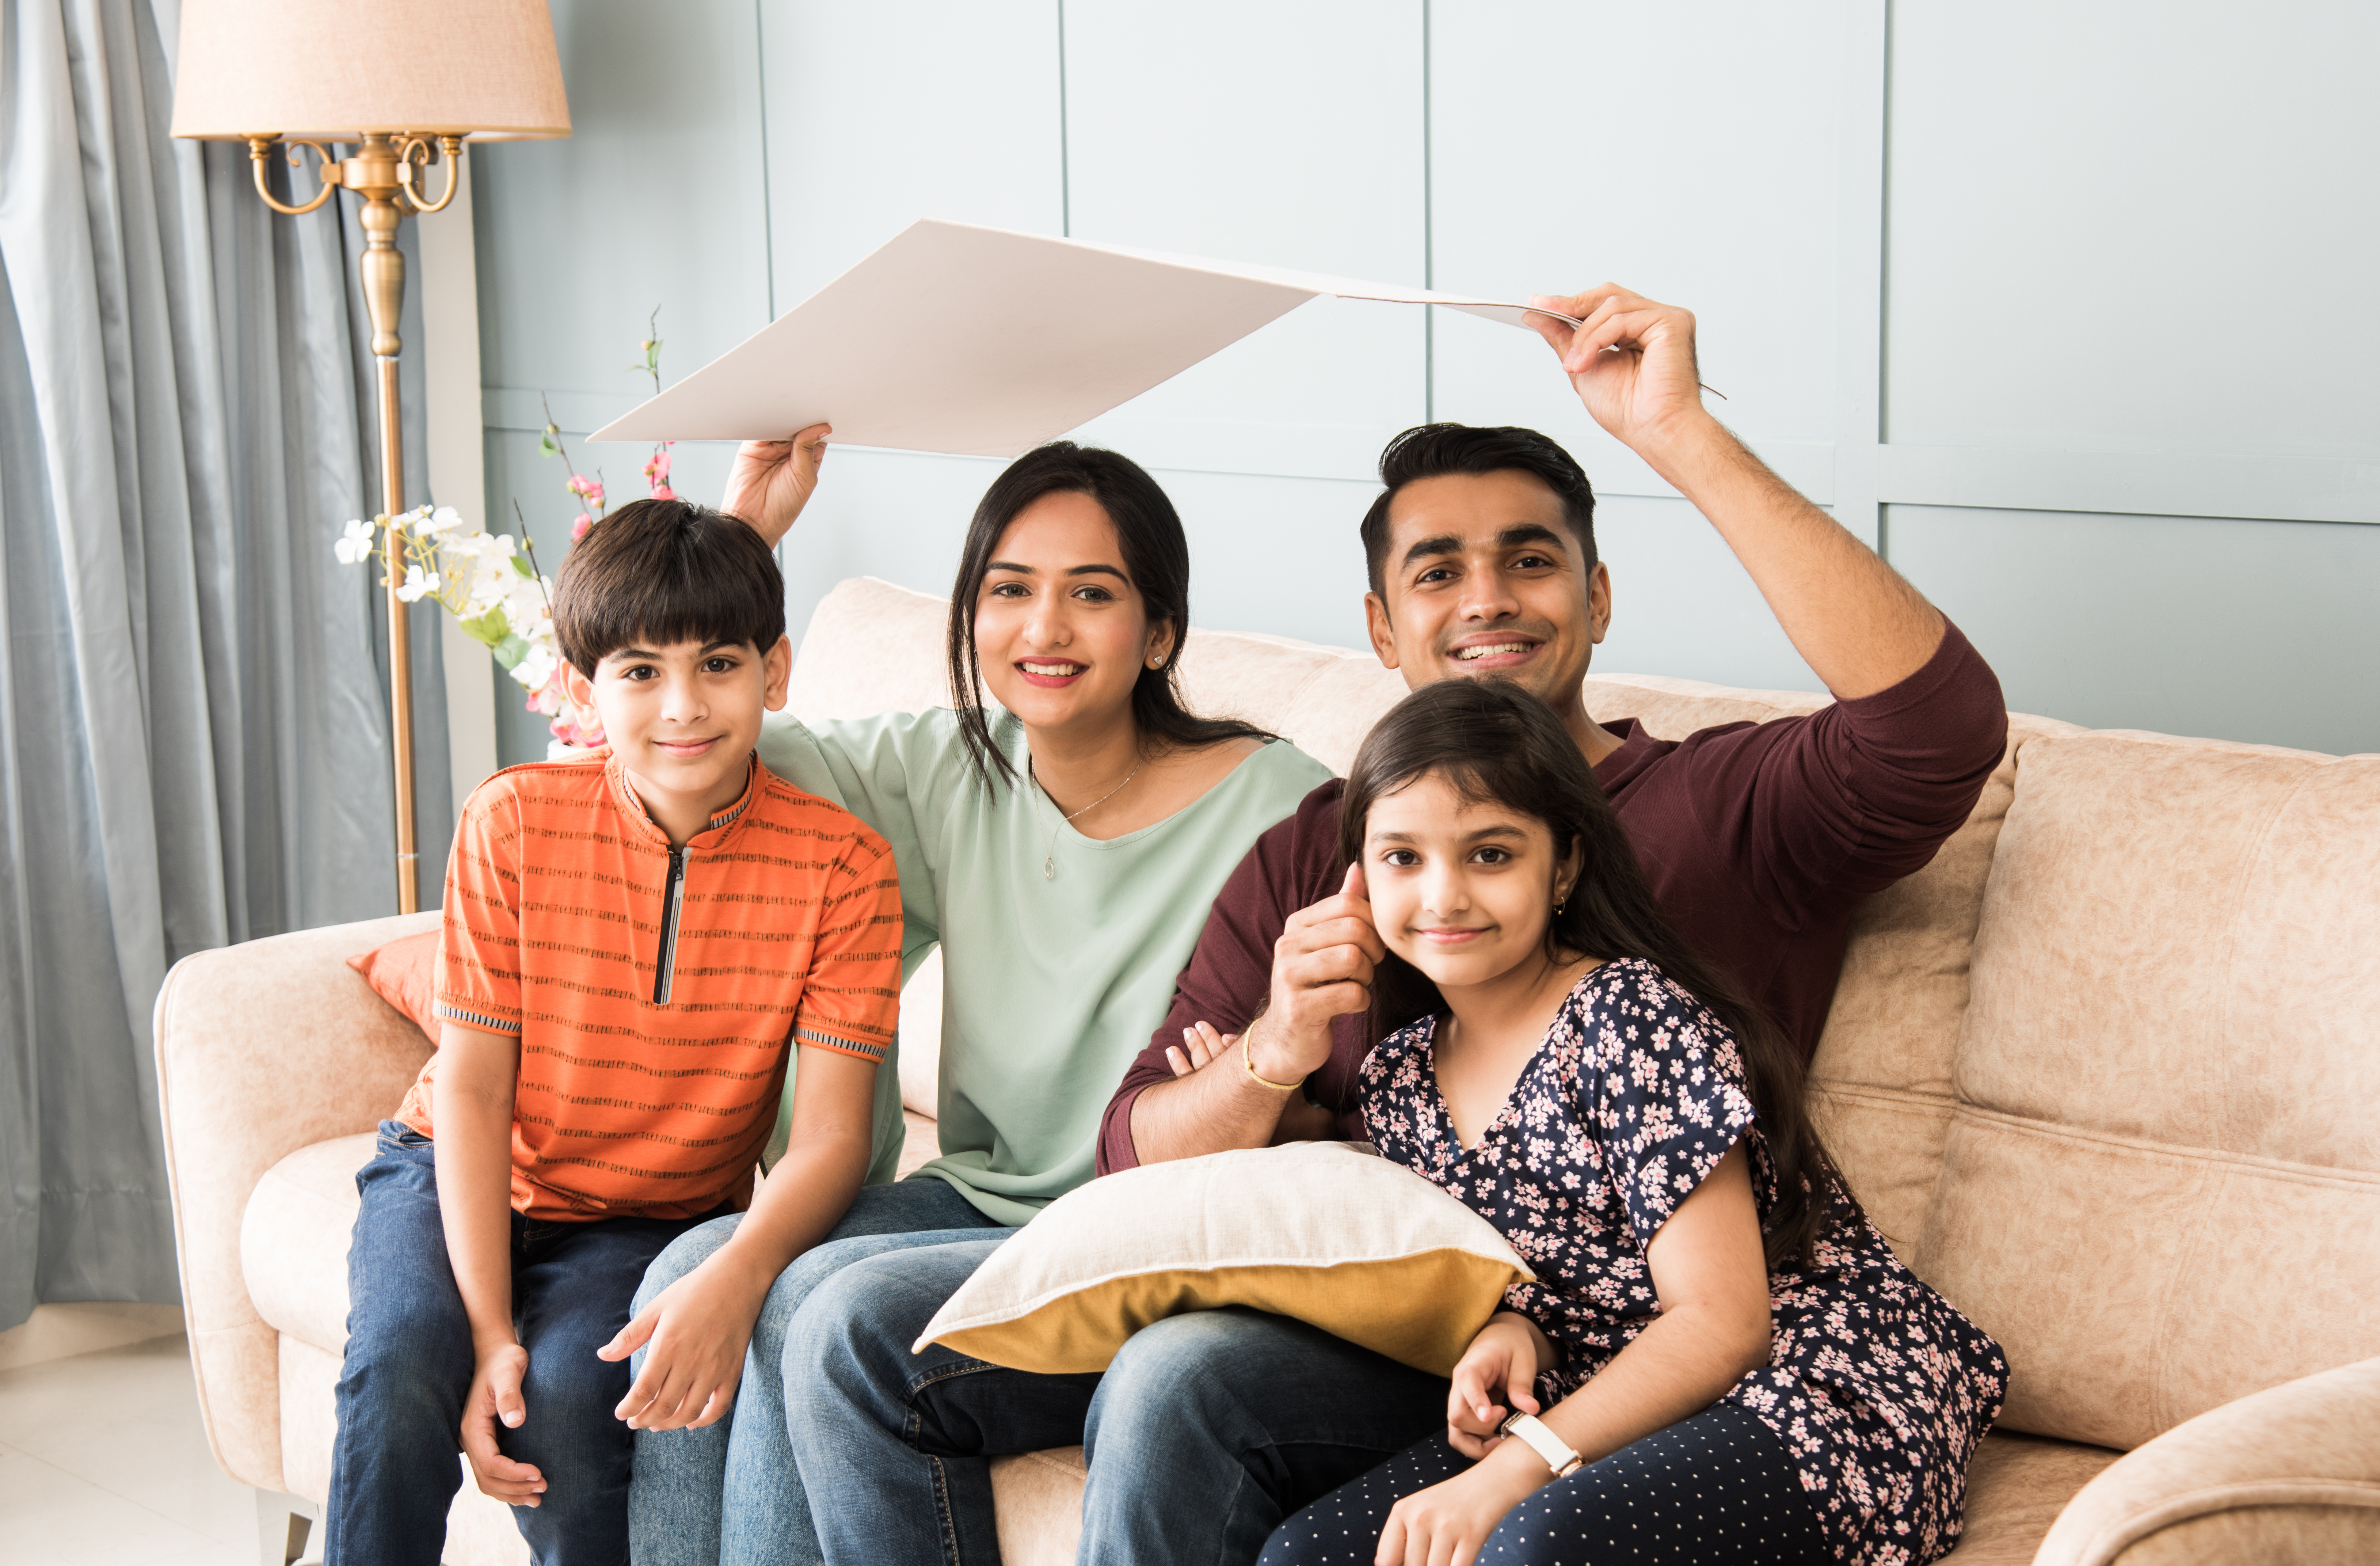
(1540, 1439)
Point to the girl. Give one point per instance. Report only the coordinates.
(1061, 847)
(1729, 1363)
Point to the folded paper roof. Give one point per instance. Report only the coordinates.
(982, 342)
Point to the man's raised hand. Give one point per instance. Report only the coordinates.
(1632, 360)
(1322, 967)
(771, 480)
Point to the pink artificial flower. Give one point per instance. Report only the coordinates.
(579, 484)
(658, 470)
(578, 526)
(662, 491)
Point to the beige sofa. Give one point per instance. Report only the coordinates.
(2106, 1072)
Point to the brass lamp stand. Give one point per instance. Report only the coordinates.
(344, 72)
(385, 173)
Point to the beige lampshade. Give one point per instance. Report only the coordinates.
(330, 69)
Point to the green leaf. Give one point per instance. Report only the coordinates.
(490, 628)
(510, 651)
(546, 447)
(520, 563)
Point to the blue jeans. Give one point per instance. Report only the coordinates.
(730, 1493)
(409, 1362)
(1207, 1431)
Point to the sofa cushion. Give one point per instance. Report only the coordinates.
(1367, 1250)
(2161, 1188)
(293, 1239)
(404, 973)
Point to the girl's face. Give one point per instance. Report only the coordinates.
(1060, 628)
(1461, 891)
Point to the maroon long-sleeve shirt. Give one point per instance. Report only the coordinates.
(1758, 839)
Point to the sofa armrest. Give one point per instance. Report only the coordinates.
(264, 1049)
(2291, 1473)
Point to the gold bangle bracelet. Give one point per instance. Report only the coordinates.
(1249, 1062)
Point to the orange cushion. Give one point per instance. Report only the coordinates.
(404, 972)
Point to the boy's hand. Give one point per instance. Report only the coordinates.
(497, 1394)
(1494, 1375)
(698, 1330)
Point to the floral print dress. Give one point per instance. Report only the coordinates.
(1878, 1388)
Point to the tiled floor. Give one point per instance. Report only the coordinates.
(103, 1462)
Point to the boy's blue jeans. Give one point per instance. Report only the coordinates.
(394, 1468)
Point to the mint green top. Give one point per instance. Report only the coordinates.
(1051, 986)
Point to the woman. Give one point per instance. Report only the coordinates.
(1730, 1364)
(1063, 851)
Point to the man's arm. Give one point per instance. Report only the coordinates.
(1154, 1117)
(1849, 615)
(471, 1106)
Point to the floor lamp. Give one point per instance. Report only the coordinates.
(403, 82)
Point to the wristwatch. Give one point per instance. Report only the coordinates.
(1539, 1438)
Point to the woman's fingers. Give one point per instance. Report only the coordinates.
(1392, 1539)
(632, 1337)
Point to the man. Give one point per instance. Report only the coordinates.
(1211, 1428)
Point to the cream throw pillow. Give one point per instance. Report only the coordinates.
(1323, 1231)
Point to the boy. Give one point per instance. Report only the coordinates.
(635, 942)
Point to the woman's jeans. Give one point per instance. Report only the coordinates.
(730, 1493)
(409, 1363)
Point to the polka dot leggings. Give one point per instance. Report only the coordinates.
(1718, 1490)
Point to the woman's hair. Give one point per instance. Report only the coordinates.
(1156, 556)
(1495, 744)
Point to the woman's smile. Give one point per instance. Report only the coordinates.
(1051, 673)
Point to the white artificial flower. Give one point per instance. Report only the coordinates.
(355, 545)
(444, 519)
(535, 668)
(416, 584)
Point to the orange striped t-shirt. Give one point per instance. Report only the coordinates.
(658, 995)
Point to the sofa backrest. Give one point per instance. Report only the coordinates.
(2104, 1071)
(2161, 1181)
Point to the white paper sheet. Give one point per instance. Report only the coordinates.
(982, 342)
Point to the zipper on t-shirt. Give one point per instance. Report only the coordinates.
(673, 901)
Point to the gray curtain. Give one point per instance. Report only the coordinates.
(193, 711)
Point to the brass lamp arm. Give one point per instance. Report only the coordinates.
(260, 147)
(416, 155)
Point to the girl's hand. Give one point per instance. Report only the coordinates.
(698, 1327)
(774, 480)
(1445, 1525)
(1492, 1379)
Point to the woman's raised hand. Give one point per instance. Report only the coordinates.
(1323, 968)
(774, 480)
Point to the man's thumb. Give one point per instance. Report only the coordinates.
(1354, 885)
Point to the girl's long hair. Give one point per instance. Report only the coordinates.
(1156, 554)
(1495, 744)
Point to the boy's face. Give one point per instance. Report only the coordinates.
(684, 716)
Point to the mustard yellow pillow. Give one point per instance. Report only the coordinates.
(1325, 1233)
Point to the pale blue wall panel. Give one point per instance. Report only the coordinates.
(1688, 153)
(881, 114)
(2134, 225)
(1274, 556)
(2261, 631)
(1681, 605)
(654, 198)
(895, 515)
(1254, 130)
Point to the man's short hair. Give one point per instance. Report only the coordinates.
(663, 571)
(1430, 451)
